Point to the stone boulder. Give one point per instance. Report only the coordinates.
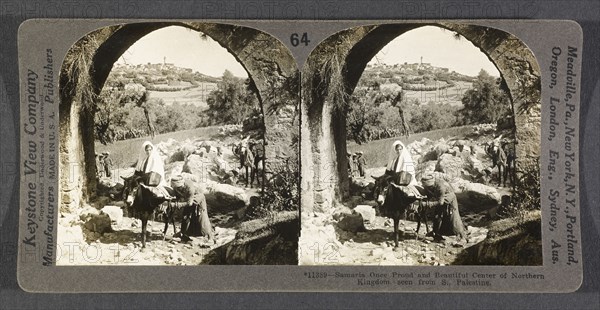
(419, 146)
(210, 147)
(223, 198)
(98, 223)
(340, 212)
(440, 148)
(424, 168)
(450, 165)
(182, 153)
(352, 222)
(361, 186)
(87, 212)
(436, 152)
(475, 196)
(173, 168)
(367, 212)
(167, 148)
(115, 213)
(199, 167)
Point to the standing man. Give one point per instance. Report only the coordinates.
(99, 165)
(107, 163)
(361, 163)
(350, 163)
(441, 197)
(499, 160)
(195, 214)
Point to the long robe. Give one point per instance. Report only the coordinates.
(444, 200)
(193, 201)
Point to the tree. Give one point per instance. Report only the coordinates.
(485, 102)
(369, 110)
(110, 113)
(364, 111)
(232, 101)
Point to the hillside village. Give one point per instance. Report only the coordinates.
(421, 81)
(160, 74)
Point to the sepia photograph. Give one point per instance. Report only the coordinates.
(178, 146)
(424, 148)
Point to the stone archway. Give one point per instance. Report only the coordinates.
(89, 61)
(334, 68)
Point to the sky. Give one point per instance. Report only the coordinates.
(438, 47)
(184, 48)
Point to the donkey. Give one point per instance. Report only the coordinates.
(144, 204)
(250, 156)
(395, 202)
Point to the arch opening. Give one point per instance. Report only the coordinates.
(352, 50)
(89, 62)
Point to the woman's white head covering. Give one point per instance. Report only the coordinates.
(405, 162)
(155, 163)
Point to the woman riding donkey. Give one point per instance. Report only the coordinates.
(397, 187)
(145, 191)
(150, 169)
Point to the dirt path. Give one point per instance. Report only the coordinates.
(122, 246)
(375, 246)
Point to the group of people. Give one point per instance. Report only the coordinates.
(183, 194)
(356, 164)
(103, 165)
(437, 193)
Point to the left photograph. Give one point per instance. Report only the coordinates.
(178, 146)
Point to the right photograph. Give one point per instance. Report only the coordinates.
(420, 145)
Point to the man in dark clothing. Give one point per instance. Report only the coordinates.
(195, 214)
(499, 160)
(361, 164)
(509, 170)
(107, 164)
(350, 164)
(441, 197)
(99, 165)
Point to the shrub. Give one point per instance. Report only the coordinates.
(525, 199)
(281, 192)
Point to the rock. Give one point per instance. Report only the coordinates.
(198, 166)
(440, 149)
(115, 213)
(475, 196)
(359, 185)
(340, 212)
(182, 153)
(424, 168)
(352, 223)
(377, 252)
(225, 198)
(173, 168)
(450, 165)
(98, 223)
(367, 212)
(101, 201)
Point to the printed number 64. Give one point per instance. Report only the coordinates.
(296, 39)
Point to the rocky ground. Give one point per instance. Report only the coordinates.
(355, 234)
(325, 241)
(122, 246)
(102, 233)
